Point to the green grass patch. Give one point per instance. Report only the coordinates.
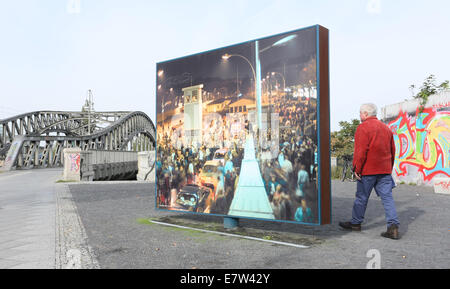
(218, 227)
(186, 231)
(63, 181)
(144, 222)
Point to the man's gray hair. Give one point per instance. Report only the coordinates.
(370, 108)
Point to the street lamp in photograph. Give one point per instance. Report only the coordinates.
(282, 42)
(160, 76)
(164, 82)
(282, 77)
(266, 85)
(257, 71)
(228, 56)
(257, 84)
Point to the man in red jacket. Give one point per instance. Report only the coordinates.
(373, 160)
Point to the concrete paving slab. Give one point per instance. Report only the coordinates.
(8, 264)
(29, 265)
(6, 254)
(27, 218)
(11, 244)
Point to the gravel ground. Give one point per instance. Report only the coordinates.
(115, 216)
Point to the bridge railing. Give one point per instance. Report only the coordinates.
(97, 165)
(23, 147)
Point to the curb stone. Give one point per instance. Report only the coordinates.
(72, 249)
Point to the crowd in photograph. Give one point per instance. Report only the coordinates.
(289, 173)
(291, 176)
(178, 167)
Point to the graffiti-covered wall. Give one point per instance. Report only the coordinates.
(422, 142)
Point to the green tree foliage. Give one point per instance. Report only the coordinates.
(342, 141)
(428, 88)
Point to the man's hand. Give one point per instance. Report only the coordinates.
(357, 176)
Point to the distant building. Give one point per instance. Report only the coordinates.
(217, 105)
(241, 105)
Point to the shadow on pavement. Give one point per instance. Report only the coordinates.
(406, 217)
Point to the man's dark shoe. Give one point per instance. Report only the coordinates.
(350, 226)
(391, 233)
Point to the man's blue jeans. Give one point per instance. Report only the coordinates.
(383, 185)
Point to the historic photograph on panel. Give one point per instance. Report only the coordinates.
(237, 130)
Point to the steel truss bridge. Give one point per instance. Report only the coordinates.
(37, 139)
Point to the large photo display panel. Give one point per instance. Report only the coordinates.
(243, 131)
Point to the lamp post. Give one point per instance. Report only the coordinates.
(280, 42)
(160, 75)
(283, 41)
(284, 80)
(257, 71)
(257, 85)
(255, 77)
(228, 56)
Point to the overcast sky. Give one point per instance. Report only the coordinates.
(53, 51)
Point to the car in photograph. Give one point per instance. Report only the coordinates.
(209, 177)
(193, 198)
(220, 154)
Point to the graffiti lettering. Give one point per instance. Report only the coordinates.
(422, 142)
(444, 185)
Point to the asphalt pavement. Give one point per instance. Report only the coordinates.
(46, 224)
(115, 217)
